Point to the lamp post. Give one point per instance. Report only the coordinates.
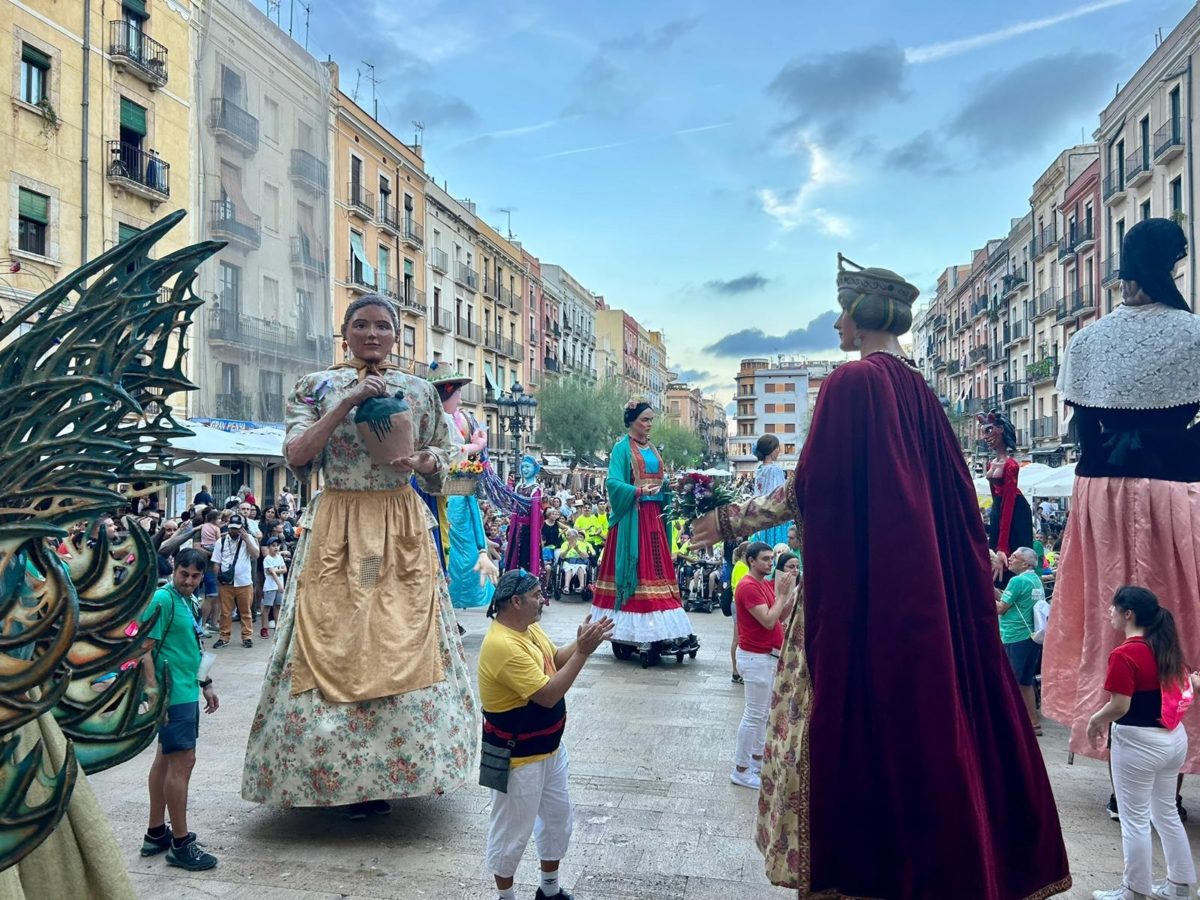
(517, 413)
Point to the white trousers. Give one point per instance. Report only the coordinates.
(1145, 765)
(536, 803)
(758, 673)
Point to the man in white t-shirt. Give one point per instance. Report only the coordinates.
(233, 556)
(274, 572)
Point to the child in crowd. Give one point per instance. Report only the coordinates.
(274, 571)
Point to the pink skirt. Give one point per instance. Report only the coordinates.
(1120, 531)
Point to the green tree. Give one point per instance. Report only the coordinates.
(580, 417)
(681, 449)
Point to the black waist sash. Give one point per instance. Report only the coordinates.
(531, 729)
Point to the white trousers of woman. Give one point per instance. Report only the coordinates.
(758, 673)
(1145, 765)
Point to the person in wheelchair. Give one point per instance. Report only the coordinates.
(576, 555)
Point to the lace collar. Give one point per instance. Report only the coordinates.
(1136, 357)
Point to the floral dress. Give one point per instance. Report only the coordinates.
(306, 749)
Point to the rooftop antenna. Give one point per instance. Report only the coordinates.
(374, 83)
(273, 7)
(418, 133)
(508, 212)
(357, 81)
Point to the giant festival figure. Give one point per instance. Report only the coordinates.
(894, 646)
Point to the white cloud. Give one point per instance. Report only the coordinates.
(933, 52)
(798, 208)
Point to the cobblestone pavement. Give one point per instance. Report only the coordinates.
(656, 816)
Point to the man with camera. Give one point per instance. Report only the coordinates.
(234, 556)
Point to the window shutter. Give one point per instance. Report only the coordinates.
(133, 116)
(135, 8)
(34, 57)
(126, 232)
(35, 207)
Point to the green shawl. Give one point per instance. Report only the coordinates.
(623, 504)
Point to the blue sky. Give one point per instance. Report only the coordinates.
(700, 164)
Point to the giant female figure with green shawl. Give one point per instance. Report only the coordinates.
(636, 586)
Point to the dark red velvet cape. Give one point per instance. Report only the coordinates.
(926, 779)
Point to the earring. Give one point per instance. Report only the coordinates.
(857, 341)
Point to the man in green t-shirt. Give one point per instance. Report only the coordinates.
(174, 654)
(1015, 609)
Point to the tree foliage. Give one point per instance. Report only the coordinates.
(579, 417)
(681, 448)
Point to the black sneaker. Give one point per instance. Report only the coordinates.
(1180, 808)
(561, 895)
(152, 846)
(356, 812)
(247, 643)
(221, 643)
(191, 855)
(1112, 808)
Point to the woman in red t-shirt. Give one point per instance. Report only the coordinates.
(759, 607)
(1146, 754)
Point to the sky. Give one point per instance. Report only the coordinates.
(701, 164)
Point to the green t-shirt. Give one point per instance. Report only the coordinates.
(1023, 594)
(1041, 554)
(177, 650)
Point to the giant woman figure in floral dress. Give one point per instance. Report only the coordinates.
(367, 697)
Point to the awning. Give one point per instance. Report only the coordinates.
(360, 253)
(200, 466)
(231, 182)
(489, 381)
(216, 443)
(133, 116)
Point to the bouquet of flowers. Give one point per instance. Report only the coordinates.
(697, 494)
(462, 480)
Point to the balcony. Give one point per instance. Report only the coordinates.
(233, 126)
(979, 308)
(132, 51)
(467, 277)
(1011, 283)
(1047, 240)
(954, 367)
(939, 322)
(1080, 302)
(1083, 238)
(468, 331)
(236, 406)
(938, 362)
(387, 286)
(1112, 270)
(1047, 303)
(500, 344)
(1168, 141)
(139, 171)
(308, 172)
(550, 364)
(1137, 167)
(360, 202)
(1017, 332)
(413, 234)
(472, 394)
(978, 355)
(1114, 187)
(491, 287)
(1014, 391)
(1045, 428)
(305, 260)
(356, 278)
(412, 300)
(228, 223)
(270, 408)
(1043, 370)
(505, 296)
(387, 217)
(442, 320)
(439, 261)
(252, 333)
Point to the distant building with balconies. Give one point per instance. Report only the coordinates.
(772, 399)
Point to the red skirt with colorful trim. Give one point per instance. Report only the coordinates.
(654, 612)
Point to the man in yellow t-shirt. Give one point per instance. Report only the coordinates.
(523, 681)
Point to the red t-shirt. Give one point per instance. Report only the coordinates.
(1131, 668)
(752, 636)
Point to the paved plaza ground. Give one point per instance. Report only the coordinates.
(656, 816)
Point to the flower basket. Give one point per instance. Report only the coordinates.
(460, 485)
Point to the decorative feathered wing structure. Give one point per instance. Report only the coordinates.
(87, 371)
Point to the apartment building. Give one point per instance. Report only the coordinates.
(657, 376)
(379, 226)
(684, 406)
(578, 311)
(771, 399)
(261, 122)
(502, 285)
(96, 141)
(714, 429)
(535, 316)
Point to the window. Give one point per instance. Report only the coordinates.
(229, 379)
(270, 119)
(270, 384)
(33, 220)
(385, 269)
(771, 428)
(125, 232)
(35, 75)
(769, 407)
(674, 407)
(270, 299)
(789, 407)
(229, 279)
(270, 206)
(770, 389)
(410, 341)
(1146, 209)
(133, 123)
(1177, 196)
(789, 449)
(789, 428)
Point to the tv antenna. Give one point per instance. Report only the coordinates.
(418, 132)
(374, 84)
(273, 8)
(508, 213)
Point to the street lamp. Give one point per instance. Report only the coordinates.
(516, 416)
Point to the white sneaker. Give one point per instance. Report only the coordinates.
(1168, 890)
(1118, 893)
(747, 779)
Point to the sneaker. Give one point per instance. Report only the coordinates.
(561, 895)
(1112, 808)
(263, 633)
(247, 643)
(747, 779)
(154, 846)
(191, 855)
(737, 679)
(356, 812)
(208, 630)
(1182, 810)
(221, 643)
(1168, 890)
(1120, 893)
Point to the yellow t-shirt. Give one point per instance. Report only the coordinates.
(513, 666)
